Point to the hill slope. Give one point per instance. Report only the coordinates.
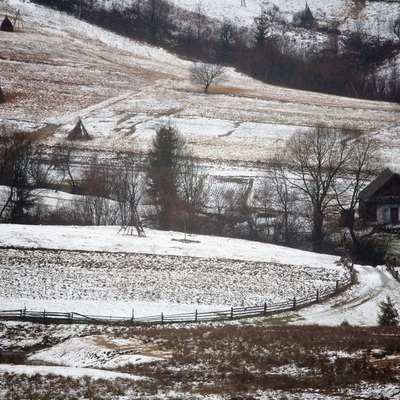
(55, 68)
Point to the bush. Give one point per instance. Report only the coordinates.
(370, 250)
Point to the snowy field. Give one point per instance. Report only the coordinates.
(123, 90)
(96, 271)
(108, 274)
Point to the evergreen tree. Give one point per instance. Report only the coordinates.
(389, 316)
(163, 171)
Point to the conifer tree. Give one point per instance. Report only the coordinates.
(163, 172)
(389, 316)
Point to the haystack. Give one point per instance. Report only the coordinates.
(79, 132)
(6, 25)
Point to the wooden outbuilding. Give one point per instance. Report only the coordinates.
(380, 200)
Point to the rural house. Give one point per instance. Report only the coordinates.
(380, 200)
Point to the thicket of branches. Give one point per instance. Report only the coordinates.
(307, 198)
(347, 64)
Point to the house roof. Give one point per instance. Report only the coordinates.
(376, 184)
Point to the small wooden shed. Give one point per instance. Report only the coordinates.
(380, 200)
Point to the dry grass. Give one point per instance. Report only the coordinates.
(238, 361)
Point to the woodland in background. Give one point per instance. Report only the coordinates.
(346, 64)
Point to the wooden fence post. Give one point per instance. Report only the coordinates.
(337, 287)
(317, 295)
(294, 302)
(231, 312)
(162, 318)
(265, 308)
(195, 316)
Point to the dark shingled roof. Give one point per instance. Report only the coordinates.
(377, 183)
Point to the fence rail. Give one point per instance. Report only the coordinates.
(229, 314)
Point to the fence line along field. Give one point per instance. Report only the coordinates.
(129, 278)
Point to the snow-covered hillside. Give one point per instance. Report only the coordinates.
(162, 273)
(56, 68)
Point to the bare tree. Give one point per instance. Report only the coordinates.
(96, 187)
(193, 190)
(285, 198)
(206, 74)
(228, 36)
(364, 164)
(317, 157)
(62, 161)
(232, 208)
(396, 26)
(17, 153)
(199, 19)
(128, 189)
(157, 15)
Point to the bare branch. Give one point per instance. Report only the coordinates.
(205, 74)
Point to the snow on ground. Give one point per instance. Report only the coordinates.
(97, 351)
(123, 90)
(358, 305)
(96, 271)
(71, 372)
(116, 274)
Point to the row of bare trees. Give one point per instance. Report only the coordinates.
(309, 191)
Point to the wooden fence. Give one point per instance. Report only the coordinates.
(194, 317)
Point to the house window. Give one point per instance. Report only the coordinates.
(394, 214)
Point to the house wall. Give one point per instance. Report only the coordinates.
(383, 213)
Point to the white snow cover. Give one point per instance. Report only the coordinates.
(64, 371)
(215, 273)
(118, 275)
(124, 115)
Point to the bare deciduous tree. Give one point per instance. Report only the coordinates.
(286, 222)
(364, 164)
(16, 155)
(396, 26)
(62, 161)
(316, 158)
(128, 189)
(206, 74)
